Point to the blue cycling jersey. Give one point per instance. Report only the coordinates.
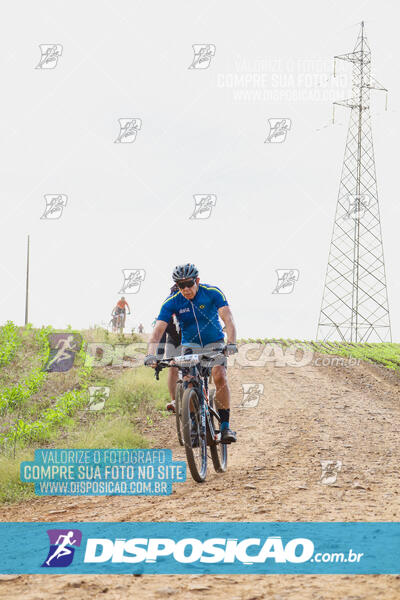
(198, 318)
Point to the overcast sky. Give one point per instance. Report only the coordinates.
(202, 131)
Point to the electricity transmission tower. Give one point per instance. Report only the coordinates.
(355, 305)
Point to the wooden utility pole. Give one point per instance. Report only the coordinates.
(27, 284)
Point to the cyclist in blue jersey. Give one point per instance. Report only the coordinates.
(198, 308)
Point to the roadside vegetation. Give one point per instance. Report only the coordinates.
(54, 410)
(385, 354)
(9, 342)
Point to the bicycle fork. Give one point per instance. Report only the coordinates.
(205, 416)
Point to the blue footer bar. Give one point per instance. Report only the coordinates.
(215, 548)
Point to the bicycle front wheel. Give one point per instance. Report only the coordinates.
(178, 410)
(193, 435)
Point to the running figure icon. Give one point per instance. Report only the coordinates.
(62, 549)
(64, 347)
(63, 544)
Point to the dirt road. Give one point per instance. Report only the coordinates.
(307, 414)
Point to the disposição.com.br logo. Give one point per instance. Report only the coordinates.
(171, 554)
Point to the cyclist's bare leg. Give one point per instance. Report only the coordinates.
(172, 379)
(221, 384)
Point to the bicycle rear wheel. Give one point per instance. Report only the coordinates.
(219, 452)
(178, 410)
(193, 436)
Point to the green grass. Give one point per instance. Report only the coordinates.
(9, 342)
(30, 354)
(12, 489)
(136, 399)
(15, 396)
(138, 389)
(110, 433)
(53, 412)
(100, 334)
(387, 355)
(22, 431)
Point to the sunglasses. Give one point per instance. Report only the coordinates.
(184, 284)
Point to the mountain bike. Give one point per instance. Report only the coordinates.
(117, 322)
(199, 418)
(120, 323)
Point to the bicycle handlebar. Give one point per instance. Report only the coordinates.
(187, 360)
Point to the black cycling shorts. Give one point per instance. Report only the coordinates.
(168, 346)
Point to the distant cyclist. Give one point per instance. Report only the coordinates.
(120, 309)
(198, 308)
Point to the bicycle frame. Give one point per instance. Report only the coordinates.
(119, 320)
(200, 384)
(195, 375)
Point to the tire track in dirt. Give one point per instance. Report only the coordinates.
(306, 415)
